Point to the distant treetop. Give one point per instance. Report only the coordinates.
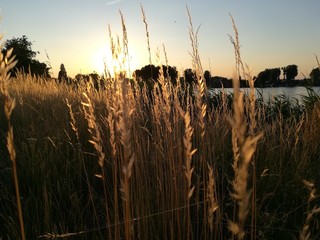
(22, 49)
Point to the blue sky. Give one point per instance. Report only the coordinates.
(273, 33)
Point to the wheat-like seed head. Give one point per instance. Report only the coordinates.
(144, 19)
(197, 66)
(125, 127)
(243, 146)
(93, 128)
(111, 124)
(73, 121)
(211, 196)
(187, 141)
(163, 98)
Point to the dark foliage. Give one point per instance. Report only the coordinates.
(22, 50)
(290, 72)
(315, 77)
(268, 77)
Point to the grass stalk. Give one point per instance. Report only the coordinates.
(125, 44)
(129, 158)
(197, 66)
(7, 63)
(243, 146)
(187, 141)
(144, 19)
(149, 180)
(97, 143)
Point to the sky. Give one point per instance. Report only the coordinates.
(272, 33)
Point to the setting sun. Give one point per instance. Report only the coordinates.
(98, 61)
(102, 58)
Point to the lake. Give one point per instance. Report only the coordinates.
(269, 93)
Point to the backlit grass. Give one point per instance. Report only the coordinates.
(170, 162)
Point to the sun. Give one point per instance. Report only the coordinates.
(99, 58)
(102, 60)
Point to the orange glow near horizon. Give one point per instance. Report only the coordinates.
(101, 58)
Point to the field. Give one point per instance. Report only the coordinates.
(169, 162)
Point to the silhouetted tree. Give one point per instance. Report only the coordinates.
(62, 76)
(25, 56)
(290, 72)
(219, 82)
(92, 80)
(189, 76)
(207, 77)
(149, 74)
(315, 77)
(97, 81)
(81, 79)
(268, 77)
(173, 73)
(275, 76)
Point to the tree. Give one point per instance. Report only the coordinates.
(274, 76)
(26, 57)
(97, 81)
(268, 77)
(173, 73)
(207, 75)
(189, 76)
(62, 76)
(218, 82)
(315, 77)
(149, 74)
(290, 72)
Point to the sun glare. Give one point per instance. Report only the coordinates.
(102, 58)
(99, 58)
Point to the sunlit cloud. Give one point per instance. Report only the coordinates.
(113, 2)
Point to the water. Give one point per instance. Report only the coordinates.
(269, 93)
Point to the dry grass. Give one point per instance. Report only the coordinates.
(200, 88)
(244, 144)
(144, 19)
(305, 234)
(7, 63)
(136, 163)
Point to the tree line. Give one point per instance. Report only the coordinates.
(149, 74)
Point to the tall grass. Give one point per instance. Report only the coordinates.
(7, 63)
(133, 162)
(244, 145)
